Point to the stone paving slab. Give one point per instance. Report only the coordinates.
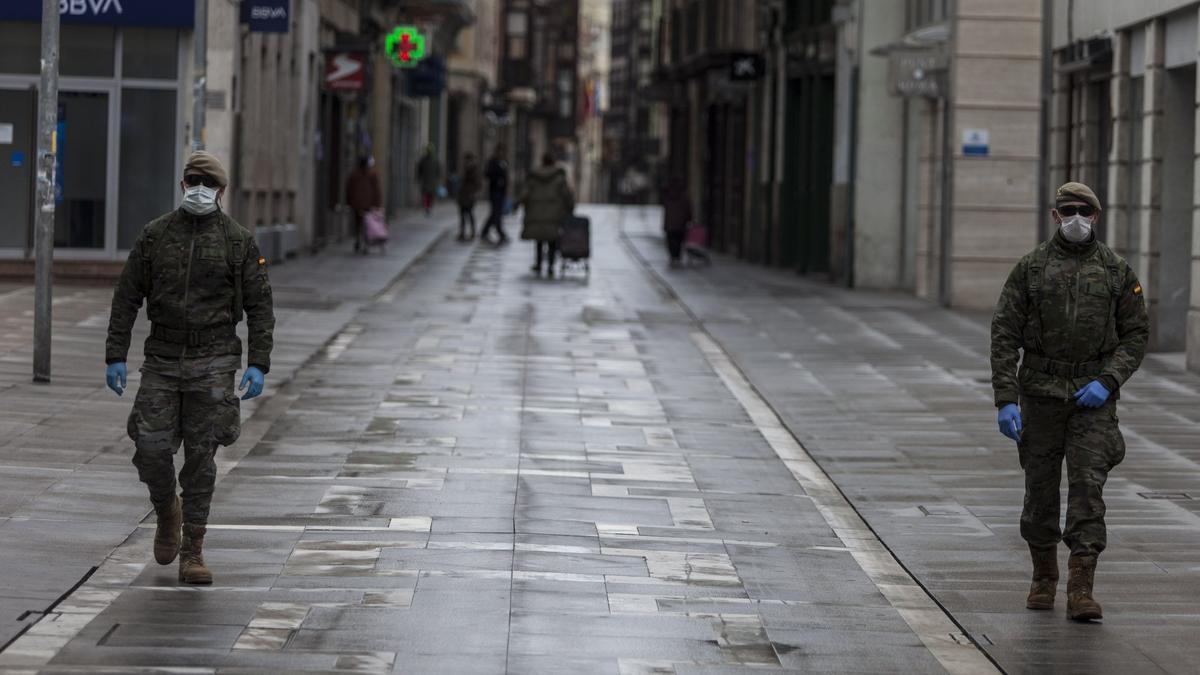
(892, 395)
(488, 472)
(68, 494)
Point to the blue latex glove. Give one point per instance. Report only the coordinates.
(1009, 419)
(1093, 395)
(114, 377)
(255, 378)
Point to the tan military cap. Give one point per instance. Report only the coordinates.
(206, 163)
(1076, 192)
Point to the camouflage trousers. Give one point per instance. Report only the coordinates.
(201, 412)
(1091, 443)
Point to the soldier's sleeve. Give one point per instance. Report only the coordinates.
(1133, 330)
(260, 312)
(127, 301)
(1008, 324)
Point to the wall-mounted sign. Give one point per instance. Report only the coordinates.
(149, 13)
(345, 71)
(917, 72)
(975, 142)
(747, 67)
(405, 46)
(266, 16)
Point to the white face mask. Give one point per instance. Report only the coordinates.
(199, 200)
(1076, 229)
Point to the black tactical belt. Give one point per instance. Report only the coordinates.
(192, 338)
(1062, 368)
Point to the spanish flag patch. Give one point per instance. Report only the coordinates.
(1137, 290)
(263, 261)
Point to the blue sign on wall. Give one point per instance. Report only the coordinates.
(147, 13)
(266, 16)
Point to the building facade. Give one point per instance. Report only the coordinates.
(287, 137)
(539, 80)
(1124, 119)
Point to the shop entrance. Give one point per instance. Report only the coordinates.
(18, 133)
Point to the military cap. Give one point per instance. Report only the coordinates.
(1076, 192)
(206, 163)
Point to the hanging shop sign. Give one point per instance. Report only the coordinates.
(405, 46)
(428, 78)
(266, 16)
(145, 13)
(917, 72)
(345, 71)
(747, 67)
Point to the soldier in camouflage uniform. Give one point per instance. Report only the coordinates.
(198, 271)
(1077, 312)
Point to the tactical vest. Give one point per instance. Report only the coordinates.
(235, 255)
(1036, 277)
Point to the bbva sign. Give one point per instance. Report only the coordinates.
(92, 7)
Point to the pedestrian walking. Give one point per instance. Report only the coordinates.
(363, 194)
(198, 271)
(496, 173)
(429, 174)
(548, 200)
(468, 192)
(1077, 311)
(677, 215)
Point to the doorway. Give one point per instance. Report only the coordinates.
(1173, 288)
(18, 133)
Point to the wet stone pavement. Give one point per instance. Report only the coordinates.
(892, 396)
(486, 472)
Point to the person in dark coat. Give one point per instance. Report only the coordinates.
(548, 200)
(677, 215)
(468, 191)
(363, 194)
(496, 173)
(429, 175)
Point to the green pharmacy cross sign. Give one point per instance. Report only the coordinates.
(405, 46)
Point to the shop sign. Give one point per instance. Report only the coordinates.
(747, 67)
(266, 16)
(345, 71)
(975, 142)
(405, 46)
(146, 13)
(917, 72)
(427, 79)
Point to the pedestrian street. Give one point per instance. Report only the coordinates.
(715, 469)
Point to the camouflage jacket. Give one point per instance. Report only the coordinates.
(183, 266)
(1073, 303)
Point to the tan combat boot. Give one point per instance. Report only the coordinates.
(1081, 575)
(1045, 578)
(191, 557)
(166, 535)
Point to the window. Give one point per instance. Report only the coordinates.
(148, 184)
(87, 51)
(149, 53)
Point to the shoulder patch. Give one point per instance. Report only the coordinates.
(263, 261)
(1137, 290)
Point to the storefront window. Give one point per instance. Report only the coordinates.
(150, 53)
(87, 51)
(82, 178)
(17, 108)
(21, 48)
(149, 179)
